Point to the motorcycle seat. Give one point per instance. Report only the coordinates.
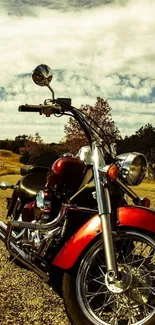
(32, 183)
(28, 169)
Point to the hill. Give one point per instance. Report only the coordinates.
(9, 162)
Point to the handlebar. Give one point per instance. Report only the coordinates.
(48, 108)
(30, 108)
(42, 109)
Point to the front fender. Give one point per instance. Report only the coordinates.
(131, 216)
(69, 254)
(136, 216)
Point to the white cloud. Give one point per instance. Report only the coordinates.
(105, 51)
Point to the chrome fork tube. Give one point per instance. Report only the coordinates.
(104, 208)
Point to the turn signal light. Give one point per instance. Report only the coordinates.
(112, 172)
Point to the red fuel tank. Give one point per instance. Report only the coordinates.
(67, 172)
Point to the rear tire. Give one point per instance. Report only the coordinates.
(87, 299)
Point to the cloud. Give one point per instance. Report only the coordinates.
(95, 48)
(27, 7)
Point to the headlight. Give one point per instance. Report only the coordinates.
(133, 167)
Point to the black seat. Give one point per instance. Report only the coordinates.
(32, 183)
(28, 169)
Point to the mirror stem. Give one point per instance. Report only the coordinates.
(52, 91)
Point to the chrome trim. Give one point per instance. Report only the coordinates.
(46, 242)
(128, 190)
(104, 207)
(131, 172)
(9, 239)
(22, 257)
(3, 228)
(85, 154)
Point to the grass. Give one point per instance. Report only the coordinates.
(9, 162)
(146, 189)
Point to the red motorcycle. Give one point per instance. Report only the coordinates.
(81, 229)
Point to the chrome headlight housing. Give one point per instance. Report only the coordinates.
(133, 166)
(85, 154)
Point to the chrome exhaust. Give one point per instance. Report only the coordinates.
(3, 228)
(8, 236)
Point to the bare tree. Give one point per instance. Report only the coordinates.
(101, 114)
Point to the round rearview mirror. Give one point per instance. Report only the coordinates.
(42, 75)
(3, 185)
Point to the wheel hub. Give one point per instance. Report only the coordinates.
(120, 285)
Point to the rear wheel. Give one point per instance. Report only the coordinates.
(90, 301)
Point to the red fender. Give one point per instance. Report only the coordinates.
(132, 216)
(139, 217)
(77, 243)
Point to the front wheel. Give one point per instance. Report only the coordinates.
(90, 301)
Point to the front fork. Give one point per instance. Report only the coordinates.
(104, 208)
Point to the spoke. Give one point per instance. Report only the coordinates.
(133, 255)
(121, 250)
(95, 294)
(124, 260)
(101, 270)
(151, 289)
(105, 304)
(145, 259)
(123, 308)
(146, 274)
(100, 260)
(98, 292)
(131, 252)
(97, 280)
(131, 317)
(92, 276)
(141, 259)
(150, 307)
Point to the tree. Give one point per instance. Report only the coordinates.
(20, 142)
(142, 141)
(101, 114)
(31, 149)
(35, 152)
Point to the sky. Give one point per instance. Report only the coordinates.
(95, 48)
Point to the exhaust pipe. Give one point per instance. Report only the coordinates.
(10, 239)
(15, 237)
(3, 228)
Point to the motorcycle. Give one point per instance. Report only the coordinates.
(20, 206)
(102, 248)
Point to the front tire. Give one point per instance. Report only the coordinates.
(88, 301)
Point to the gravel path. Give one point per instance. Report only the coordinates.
(24, 298)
